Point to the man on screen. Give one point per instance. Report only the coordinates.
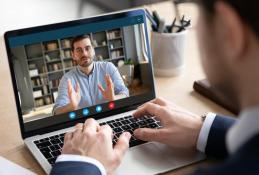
(89, 83)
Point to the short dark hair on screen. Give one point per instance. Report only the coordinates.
(247, 10)
(78, 38)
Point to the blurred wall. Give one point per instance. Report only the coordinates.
(25, 13)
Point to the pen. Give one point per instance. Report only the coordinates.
(161, 26)
(151, 19)
(156, 17)
(173, 27)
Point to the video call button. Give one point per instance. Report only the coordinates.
(72, 115)
(85, 112)
(98, 108)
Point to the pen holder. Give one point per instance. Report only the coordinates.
(168, 53)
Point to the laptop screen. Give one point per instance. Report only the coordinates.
(67, 72)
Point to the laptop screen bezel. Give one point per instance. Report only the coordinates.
(151, 95)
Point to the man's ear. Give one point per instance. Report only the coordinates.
(93, 50)
(73, 55)
(230, 31)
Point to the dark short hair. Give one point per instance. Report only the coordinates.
(247, 10)
(78, 38)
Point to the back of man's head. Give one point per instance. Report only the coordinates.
(247, 10)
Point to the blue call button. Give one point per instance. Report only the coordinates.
(98, 108)
(72, 115)
(85, 112)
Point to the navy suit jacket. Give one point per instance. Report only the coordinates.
(244, 161)
(74, 168)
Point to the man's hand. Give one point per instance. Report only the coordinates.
(74, 95)
(180, 127)
(107, 93)
(90, 139)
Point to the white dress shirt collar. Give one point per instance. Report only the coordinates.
(244, 129)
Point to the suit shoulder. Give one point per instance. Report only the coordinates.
(243, 161)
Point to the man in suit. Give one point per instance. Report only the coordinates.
(228, 35)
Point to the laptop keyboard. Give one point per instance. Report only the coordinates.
(51, 147)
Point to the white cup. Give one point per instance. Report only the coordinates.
(168, 53)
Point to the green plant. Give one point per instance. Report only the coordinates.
(128, 62)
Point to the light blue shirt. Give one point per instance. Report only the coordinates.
(90, 94)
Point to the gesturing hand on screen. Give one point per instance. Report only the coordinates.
(73, 94)
(107, 93)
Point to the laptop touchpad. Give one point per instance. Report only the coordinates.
(153, 158)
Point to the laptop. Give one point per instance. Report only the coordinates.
(40, 56)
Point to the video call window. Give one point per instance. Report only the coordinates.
(45, 70)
